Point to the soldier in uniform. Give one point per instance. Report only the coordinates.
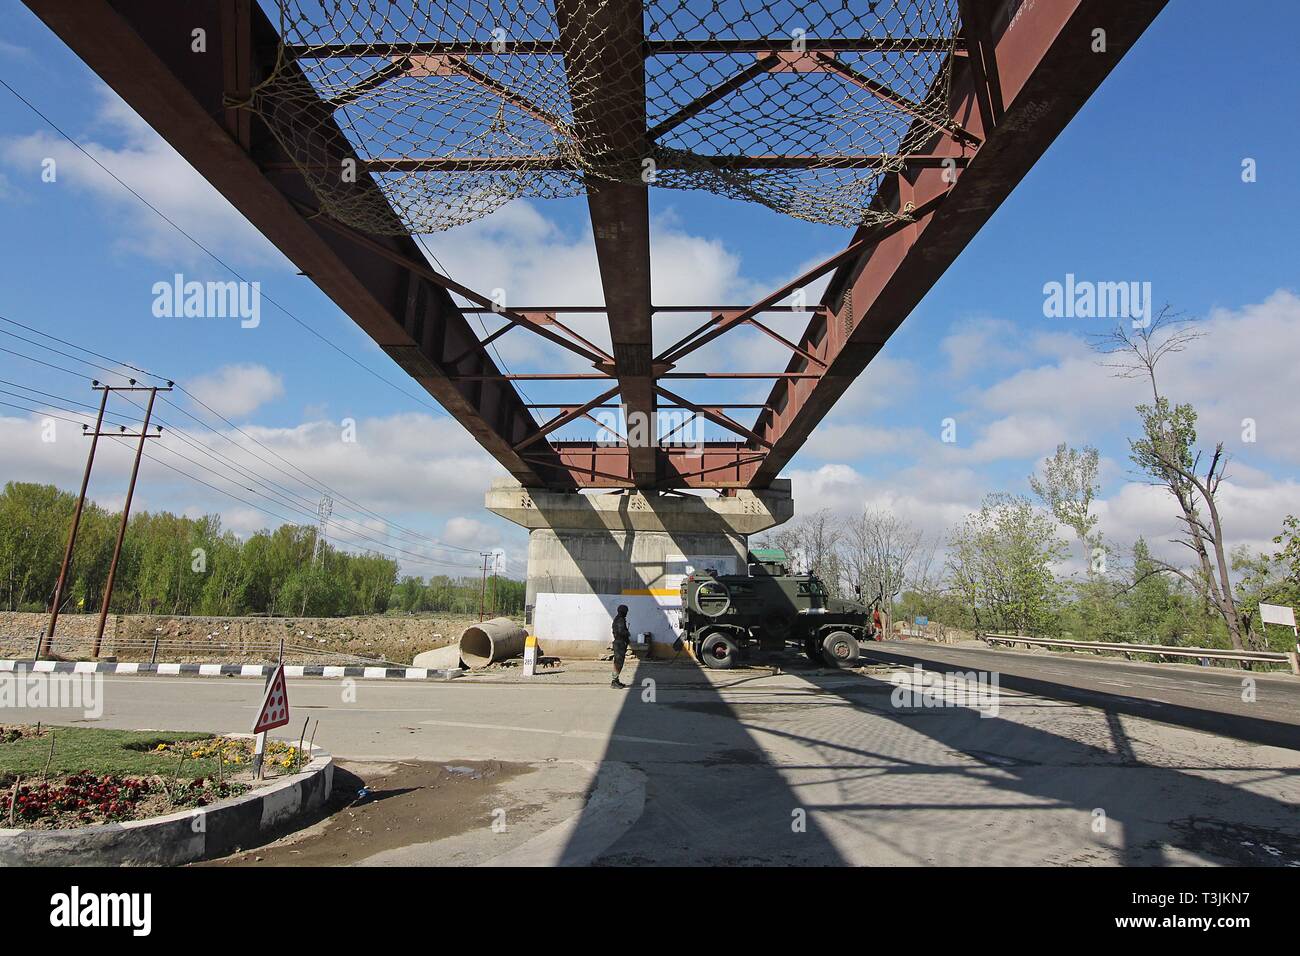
(622, 638)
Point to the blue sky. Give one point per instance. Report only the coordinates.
(1145, 184)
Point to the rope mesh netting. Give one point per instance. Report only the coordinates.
(456, 107)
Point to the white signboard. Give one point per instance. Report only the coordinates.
(1277, 614)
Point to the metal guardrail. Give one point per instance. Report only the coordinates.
(1159, 650)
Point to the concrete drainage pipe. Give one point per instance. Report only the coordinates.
(496, 640)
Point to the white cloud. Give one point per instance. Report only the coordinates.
(238, 389)
(419, 472)
(157, 172)
(535, 262)
(933, 500)
(12, 51)
(470, 533)
(830, 441)
(1251, 515)
(1246, 365)
(1020, 436)
(1243, 366)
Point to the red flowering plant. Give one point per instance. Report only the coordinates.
(84, 798)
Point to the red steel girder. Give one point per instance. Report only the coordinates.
(604, 59)
(1045, 67)
(714, 464)
(142, 50)
(1020, 74)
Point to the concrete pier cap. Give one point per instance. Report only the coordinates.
(589, 553)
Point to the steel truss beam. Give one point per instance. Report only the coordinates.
(609, 119)
(1019, 73)
(1028, 70)
(710, 465)
(142, 50)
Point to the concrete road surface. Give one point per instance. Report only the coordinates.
(1081, 761)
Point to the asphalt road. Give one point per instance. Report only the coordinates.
(1081, 761)
(1207, 698)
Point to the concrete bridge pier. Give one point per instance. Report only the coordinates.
(589, 553)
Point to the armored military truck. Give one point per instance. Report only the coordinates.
(724, 616)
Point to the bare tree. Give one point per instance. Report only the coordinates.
(926, 576)
(880, 548)
(1168, 455)
(814, 542)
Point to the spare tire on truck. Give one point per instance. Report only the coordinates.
(711, 598)
(840, 649)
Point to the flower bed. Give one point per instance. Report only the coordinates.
(135, 775)
(236, 752)
(83, 799)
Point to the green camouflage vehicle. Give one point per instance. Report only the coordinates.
(723, 616)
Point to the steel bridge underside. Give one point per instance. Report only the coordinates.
(1019, 73)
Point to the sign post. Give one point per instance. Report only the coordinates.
(530, 655)
(273, 713)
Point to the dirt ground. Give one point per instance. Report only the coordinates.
(408, 802)
(241, 640)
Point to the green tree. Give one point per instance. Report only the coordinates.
(1168, 453)
(1001, 562)
(1067, 487)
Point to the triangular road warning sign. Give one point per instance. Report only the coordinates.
(275, 705)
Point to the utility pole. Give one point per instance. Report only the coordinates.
(323, 512)
(130, 492)
(482, 588)
(496, 568)
(47, 643)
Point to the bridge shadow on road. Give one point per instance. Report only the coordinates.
(1189, 801)
(877, 783)
(711, 795)
(1257, 730)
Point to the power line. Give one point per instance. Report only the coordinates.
(351, 536)
(284, 493)
(311, 516)
(64, 354)
(222, 491)
(315, 484)
(347, 355)
(320, 486)
(158, 212)
(482, 324)
(412, 558)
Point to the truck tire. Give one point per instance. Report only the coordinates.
(840, 649)
(718, 651)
